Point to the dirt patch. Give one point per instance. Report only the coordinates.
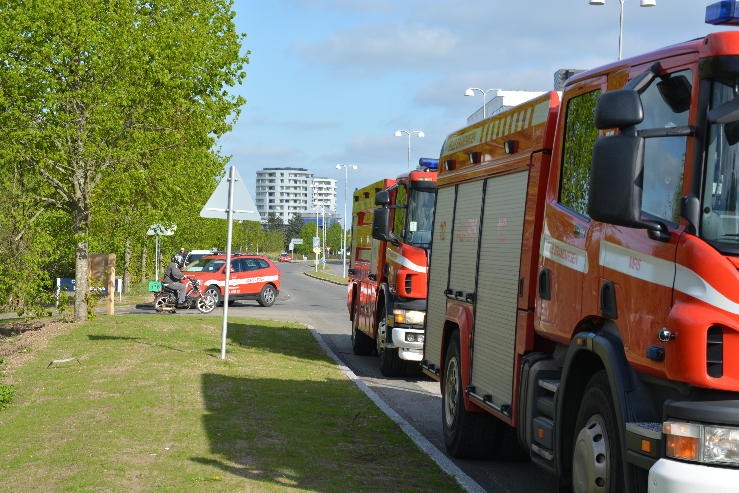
(19, 340)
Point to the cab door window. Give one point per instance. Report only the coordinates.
(580, 136)
(664, 156)
(401, 204)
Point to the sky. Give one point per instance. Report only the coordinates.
(330, 81)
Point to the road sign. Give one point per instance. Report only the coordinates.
(296, 241)
(316, 243)
(243, 205)
(316, 250)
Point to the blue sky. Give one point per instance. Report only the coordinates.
(329, 81)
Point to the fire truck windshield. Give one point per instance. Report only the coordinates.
(420, 217)
(720, 197)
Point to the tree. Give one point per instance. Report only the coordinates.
(333, 237)
(294, 226)
(98, 97)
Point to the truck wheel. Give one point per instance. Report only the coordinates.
(467, 435)
(267, 295)
(214, 293)
(361, 342)
(596, 459)
(390, 364)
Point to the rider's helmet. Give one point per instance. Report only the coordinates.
(178, 259)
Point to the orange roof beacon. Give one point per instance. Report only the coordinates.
(583, 291)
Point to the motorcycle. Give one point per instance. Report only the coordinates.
(166, 299)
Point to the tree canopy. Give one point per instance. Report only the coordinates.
(110, 113)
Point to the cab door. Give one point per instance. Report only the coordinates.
(568, 257)
(640, 266)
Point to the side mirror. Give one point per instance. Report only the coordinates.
(616, 180)
(618, 109)
(382, 198)
(381, 224)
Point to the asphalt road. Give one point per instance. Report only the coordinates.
(323, 306)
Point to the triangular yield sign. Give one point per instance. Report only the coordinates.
(244, 208)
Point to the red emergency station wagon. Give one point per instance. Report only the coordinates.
(253, 277)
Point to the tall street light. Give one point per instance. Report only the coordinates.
(399, 133)
(471, 92)
(345, 167)
(642, 3)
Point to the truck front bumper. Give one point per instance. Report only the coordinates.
(407, 350)
(671, 476)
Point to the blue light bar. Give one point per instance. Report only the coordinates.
(428, 163)
(724, 12)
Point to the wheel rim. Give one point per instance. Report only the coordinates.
(213, 293)
(591, 463)
(269, 295)
(162, 303)
(381, 336)
(206, 303)
(451, 392)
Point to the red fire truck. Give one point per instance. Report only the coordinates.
(584, 284)
(388, 267)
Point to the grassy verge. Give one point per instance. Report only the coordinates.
(143, 403)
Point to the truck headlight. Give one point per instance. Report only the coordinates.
(413, 337)
(411, 317)
(708, 444)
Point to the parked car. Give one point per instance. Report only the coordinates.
(285, 257)
(193, 255)
(253, 277)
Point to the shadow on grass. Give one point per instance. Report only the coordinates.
(139, 340)
(274, 339)
(306, 434)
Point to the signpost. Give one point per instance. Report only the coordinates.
(231, 192)
(158, 230)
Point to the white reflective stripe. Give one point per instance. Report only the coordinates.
(690, 283)
(637, 264)
(399, 259)
(564, 254)
(663, 273)
(248, 280)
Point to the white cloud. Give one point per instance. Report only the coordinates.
(381, 49)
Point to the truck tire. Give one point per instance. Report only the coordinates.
(390, 363)
(361, 343)
(596, 458)
(467, 435)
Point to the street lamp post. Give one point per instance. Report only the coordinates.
(345, 167)
(642, 3)
(399, 133)
(471, 92)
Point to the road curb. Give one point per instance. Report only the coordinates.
(466, 482)
(312, 276)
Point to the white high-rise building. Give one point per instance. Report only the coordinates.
(324, 194)
(287, 191)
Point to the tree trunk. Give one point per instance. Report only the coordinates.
(81, 274)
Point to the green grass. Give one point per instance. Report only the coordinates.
(148, 405)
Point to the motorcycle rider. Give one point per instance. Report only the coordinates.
(173, 277)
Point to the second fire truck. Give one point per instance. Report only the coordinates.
(391, 234)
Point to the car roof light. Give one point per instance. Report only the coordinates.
(724, 12)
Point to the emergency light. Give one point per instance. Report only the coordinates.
(428, 163)
(723, 12)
